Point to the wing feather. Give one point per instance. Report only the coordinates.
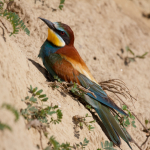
(62, 68)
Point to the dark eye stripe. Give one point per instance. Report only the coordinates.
(64, 36)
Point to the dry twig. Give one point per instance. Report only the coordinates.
(40, 127)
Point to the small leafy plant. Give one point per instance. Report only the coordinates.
(14, 111)
(82, 120)
(11, 109)
(124, 120)
(128, 59)
(107, 145)
(40, 112)
(55, 145)
(14, 19)
(82, 145)
(37, 114)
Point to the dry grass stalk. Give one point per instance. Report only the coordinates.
(118, 87)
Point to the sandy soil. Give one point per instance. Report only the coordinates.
(101, 29)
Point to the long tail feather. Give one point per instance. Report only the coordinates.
(113, 128)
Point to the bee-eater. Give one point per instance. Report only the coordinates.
(61, 59)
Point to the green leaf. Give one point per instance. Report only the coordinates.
(111, 144)
(44, 100)
(59, 114)
(51, 112)
(81, 124)
(62, 1)
(88, 106)
(86, 141)
(34, 89)
(54, 107)
(66, 146)
(127, 122)
(124, 107)
(90, 127)
(129, 50)
(32, 99)
(4, 126)
(86, 115)
(133, 124)
(27, 97)
(129, 113)
(33, 109)
(41, 96)
(60, 7)
(92, 121)
(106, 143)
(142, 56)
(102, 144)
(39, 92)
(57, 78)
(132, 117)
(55, 144)
(146, 122)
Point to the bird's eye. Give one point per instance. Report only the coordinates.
(62, 32)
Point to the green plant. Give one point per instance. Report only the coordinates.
(124, 120)
(146, 121)
(55, 145)
(82, 120)
(88, 107)
(61, 4)
(14, 111)
(135, 56)
(128, 59)
(4, 126)
(14, 19)
(107, 145)
(147, 129)
(38, 111)
(82, 145)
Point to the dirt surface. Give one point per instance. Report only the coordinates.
(102, 28)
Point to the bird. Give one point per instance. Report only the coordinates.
(61, 59)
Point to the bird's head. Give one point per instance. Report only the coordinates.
(59, 34)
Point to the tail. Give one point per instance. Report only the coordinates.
(114, 130)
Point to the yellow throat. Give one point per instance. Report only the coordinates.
(55, 38)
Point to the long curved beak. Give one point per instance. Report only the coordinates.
(49, 23)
